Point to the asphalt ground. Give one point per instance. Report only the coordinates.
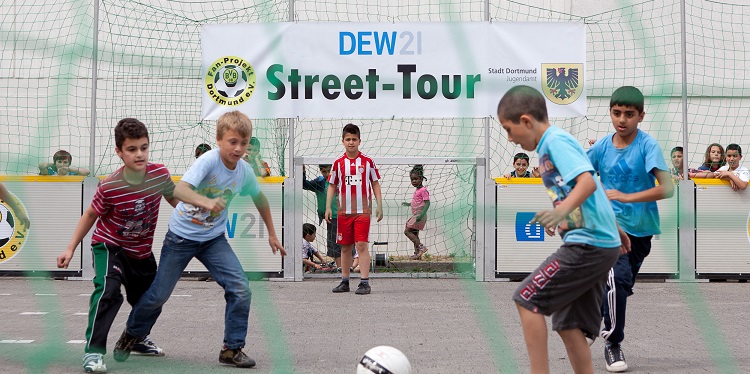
(445, 325)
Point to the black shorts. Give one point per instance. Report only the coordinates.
(569, 285)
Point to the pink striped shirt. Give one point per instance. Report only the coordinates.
(353, 178)
(127, 213)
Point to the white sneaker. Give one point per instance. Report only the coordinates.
(94, 363)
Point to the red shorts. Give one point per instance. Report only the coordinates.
(353, 228)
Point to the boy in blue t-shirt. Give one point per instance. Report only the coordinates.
(569, 284)
(196, 229)
(629, 162)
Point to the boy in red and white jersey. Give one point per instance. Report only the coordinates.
(357, 179)
(127, 206)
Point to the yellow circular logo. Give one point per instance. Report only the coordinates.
(230, 81)
(13, 232)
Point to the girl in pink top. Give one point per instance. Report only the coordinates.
(420, 203)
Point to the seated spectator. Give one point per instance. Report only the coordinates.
(61, 165)
(712, 161)
(201, 149)
(521, 168)
(308, 251)
(252, 157)
(737, 175)
(676, 170)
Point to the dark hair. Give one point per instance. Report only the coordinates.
(418, 170)
(328, 166)
(521, 100)
(707, 157)
(129, 128)
(201, 149)
(62, 155)
(522, 156)
(350, 128)
(308, 229)
(255, 143)
(675, 149)
(735, 147)
(627, 96)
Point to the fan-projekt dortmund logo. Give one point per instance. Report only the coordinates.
(12, 232)
(230, 81)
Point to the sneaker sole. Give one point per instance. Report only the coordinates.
(618, 368)
(120, 356)
(235, 365)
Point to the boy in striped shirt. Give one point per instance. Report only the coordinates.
(127, 206)
(357, 178)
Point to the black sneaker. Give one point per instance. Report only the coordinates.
(615, 358)
(236, 357)
(363, 289)
(124, 345)
(342, 287)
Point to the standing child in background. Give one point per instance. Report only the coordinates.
(737, 175)
(712, 161)
(201, 149)
(197, 230)
(260, 167)
(521, 168)
(319, 186)
(569, 284)
(629, 163)
(420, 203)
(61, 165)
(357, 178)
(676, 170)
(127, 207)
(308, 251)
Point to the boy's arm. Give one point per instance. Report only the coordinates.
(320, 257)
(585, 186)
(5, 196)
(184, 191)
(737, 182)
(261, 202)
(664, 190)
(84, 225)
(43, 168)
(80, 171)
(378, 199)
(329, 199)
(424, 210)
(173, 201)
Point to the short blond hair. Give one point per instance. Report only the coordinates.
(234, 121)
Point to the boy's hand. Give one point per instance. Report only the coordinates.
(379, 213)
(625, 246)
(24, 221)
(550, 231)
(507, 176)
(216, 204)
(276, 245)
(328, 215)
(592, 141)
(64, 259)
(734, 186)
(616, 196)
(549, 219)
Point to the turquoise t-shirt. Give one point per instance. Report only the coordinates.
(561, 160)
(629, 170)
(211, 178)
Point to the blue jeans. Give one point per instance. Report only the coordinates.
(219, 258)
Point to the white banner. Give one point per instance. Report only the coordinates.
(383, 70)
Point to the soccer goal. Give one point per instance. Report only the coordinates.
(449, 235)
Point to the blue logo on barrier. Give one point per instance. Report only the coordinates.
(526, 232)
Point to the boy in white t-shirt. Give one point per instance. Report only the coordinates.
(737, 175)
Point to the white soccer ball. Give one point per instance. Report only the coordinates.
(384, 359)
(230, 81)
(7, 224)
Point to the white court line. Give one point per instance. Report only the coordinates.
(15, 341)
(33, 313)
(182, 295)
(45, 294)
(24, 341)
(80, 314)
(76, 341)
(6, 294)
(84, 294)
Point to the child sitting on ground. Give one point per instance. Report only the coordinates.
(308, 251)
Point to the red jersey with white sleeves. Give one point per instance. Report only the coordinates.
(353, 177)
(128, 213)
